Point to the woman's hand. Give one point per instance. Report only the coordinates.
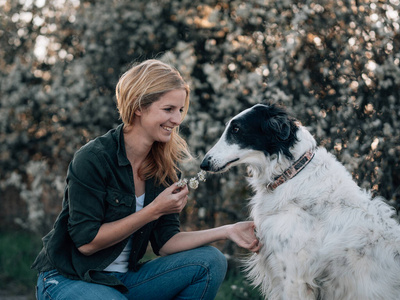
(172, 200)
(243, 235)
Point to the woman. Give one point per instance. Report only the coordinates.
(121, 193)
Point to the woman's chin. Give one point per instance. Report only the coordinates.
(164, 139)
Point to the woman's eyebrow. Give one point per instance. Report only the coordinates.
(171, 106)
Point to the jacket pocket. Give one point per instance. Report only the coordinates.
(118, 204)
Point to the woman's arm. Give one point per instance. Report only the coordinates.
(171, 200)
(241, 233)
(112, 233)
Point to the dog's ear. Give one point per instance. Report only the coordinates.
(279, 125)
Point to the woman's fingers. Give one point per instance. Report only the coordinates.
(172, 200)
(180, 197)
(255, 246)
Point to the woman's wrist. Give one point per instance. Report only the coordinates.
(152, 211)
(229, 231)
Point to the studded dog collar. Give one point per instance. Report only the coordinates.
(292, 171)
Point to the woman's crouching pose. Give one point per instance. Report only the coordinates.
(121, 194)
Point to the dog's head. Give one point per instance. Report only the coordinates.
(259, 130)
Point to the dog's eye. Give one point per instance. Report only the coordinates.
(235, 129)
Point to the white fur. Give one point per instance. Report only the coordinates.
(323, 237)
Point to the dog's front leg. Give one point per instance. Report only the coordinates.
(299, 283)
(289, 261)
(297, 289)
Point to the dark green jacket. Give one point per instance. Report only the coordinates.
(100, 189)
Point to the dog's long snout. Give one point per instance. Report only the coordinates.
(205, 164)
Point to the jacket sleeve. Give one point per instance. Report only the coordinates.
(86, 194)
(167, 226)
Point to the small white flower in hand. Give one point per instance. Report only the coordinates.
(182, 182)
(194, 181)
(201, 175)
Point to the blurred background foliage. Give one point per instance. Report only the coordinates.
(334, 64)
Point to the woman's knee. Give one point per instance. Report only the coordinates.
(215, 260)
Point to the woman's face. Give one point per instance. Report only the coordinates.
(158, 120)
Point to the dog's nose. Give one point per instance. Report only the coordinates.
(205, 164)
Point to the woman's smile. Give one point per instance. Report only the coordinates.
(169, 129)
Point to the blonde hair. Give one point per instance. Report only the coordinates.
(139, 87)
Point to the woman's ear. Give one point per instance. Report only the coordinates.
(138, 112)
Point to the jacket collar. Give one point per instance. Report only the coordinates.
(121, 152)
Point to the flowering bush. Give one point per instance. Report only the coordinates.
(333, 64)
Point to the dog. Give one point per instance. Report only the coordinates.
(323, 237)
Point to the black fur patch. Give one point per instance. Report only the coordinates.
(265, 128)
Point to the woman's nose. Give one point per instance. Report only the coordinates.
(177, 118)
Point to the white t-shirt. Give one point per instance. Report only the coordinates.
(120, 264)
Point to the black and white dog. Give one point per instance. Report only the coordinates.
(323, 237)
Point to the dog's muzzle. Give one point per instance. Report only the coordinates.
(208, 164)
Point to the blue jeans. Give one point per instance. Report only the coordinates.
(193, 274)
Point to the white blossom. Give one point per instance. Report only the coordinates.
(193, 183)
